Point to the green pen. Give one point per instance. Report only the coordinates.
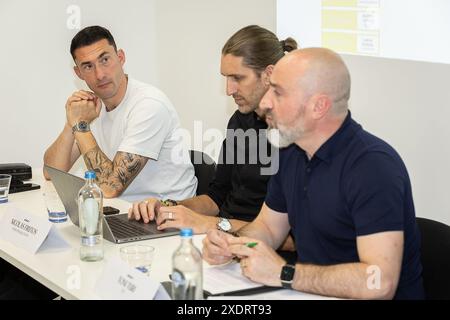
(251, 244)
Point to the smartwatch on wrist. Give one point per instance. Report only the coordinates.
(287, 276)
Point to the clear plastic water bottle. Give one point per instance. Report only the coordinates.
(90, 211)
(187, 270)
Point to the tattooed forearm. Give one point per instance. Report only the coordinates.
(114, 176)
(97, 161)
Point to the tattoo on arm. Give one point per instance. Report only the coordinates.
(116, 174)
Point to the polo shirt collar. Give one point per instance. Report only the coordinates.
(339, 140)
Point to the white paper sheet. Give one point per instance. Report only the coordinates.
(226, 278)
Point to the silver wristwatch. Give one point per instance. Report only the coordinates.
(81, 126)
(224, 225)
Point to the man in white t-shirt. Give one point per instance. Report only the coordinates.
(125, 130)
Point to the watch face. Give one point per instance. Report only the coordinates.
(224, 224)
(83, 125)
(287, 273)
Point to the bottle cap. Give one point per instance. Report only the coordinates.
(89, 175)
(186, 232)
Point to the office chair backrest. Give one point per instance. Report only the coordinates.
(435, 256)
(205, 168)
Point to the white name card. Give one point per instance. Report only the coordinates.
(121, 282)
(30, 232)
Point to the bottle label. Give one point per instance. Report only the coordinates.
(91, 215)
(89, 241)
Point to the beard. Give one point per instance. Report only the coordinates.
(250, 101)
(284, 137)
(277, 139)
(245, 107)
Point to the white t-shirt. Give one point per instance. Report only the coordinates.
(145, 123)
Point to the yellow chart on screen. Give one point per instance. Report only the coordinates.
(351, 26)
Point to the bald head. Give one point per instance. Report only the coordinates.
(320, 71)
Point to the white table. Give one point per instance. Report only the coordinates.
(56, 270)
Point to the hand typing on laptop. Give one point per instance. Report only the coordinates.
(146, 210)
(117, 227)
(177, 216)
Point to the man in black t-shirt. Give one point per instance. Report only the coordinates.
(239, 187)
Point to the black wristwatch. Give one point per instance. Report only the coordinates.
(81, 126)
(287, 276)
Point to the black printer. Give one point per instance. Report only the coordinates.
(19, 172)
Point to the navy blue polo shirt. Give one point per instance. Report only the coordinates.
(354, 185)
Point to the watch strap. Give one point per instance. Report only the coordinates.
(169, 203)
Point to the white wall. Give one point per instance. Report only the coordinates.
(173, 44)
(36, 66)
(407, 104)
(190, 38)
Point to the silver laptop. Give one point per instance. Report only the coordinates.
(116, 228)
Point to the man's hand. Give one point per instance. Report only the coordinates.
(260, 263)
(216, 247)
(147, 210)
(82, 105)
(181, 217)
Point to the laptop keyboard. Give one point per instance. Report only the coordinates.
(121, 229)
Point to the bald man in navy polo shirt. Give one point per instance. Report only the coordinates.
(345, 193)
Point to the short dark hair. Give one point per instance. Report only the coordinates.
(90, 35)
(258, 46)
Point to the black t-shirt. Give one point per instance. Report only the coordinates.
(240, 184)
